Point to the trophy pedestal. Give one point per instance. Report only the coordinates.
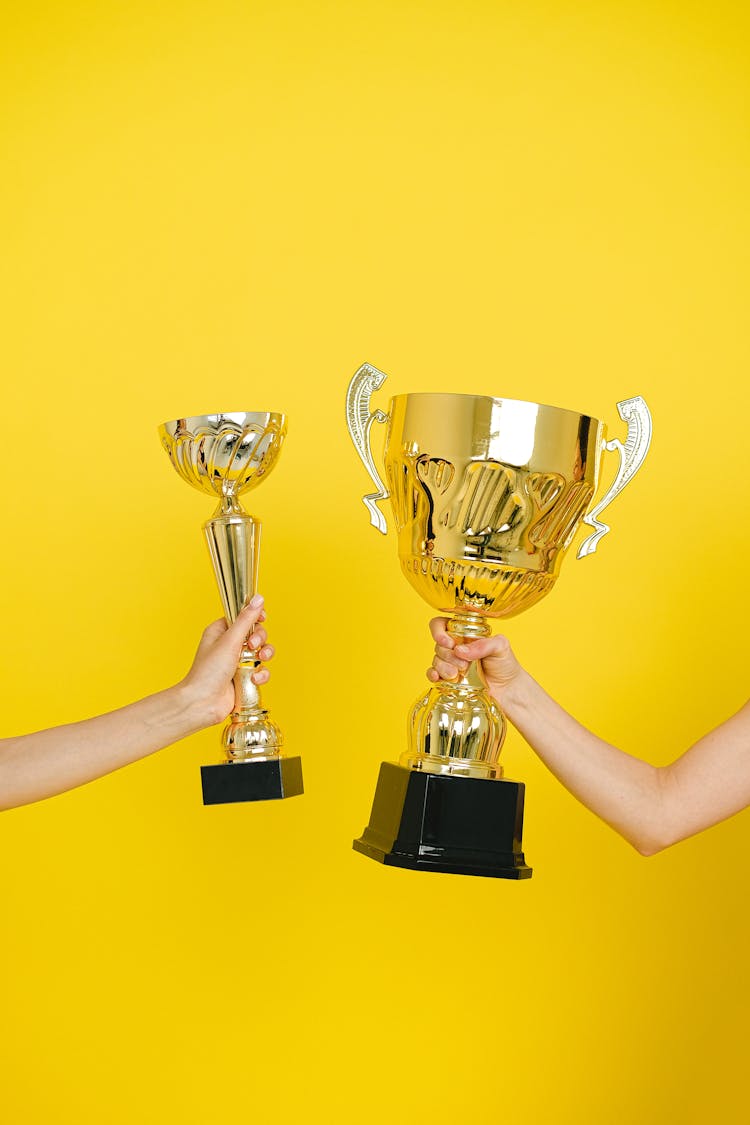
(435, 822)
(251, 781)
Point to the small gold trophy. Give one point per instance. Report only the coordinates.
(487, 494)
(226, 455)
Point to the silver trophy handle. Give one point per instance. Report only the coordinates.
(632, 455)
(359, 420)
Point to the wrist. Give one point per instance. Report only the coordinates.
(515, 695)
(195, 709)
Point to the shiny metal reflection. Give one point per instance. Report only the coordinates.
(486, 495)
(226, 455)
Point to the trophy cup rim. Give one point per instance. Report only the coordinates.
(497, 399)
(238, 417)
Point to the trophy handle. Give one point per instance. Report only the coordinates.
(632, 455)
(359, 420)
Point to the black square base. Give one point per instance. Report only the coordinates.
(251, 781)
(435, 822)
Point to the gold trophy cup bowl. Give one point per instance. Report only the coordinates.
(226, 455)
(487, 495)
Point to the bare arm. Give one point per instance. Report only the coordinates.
(34, 766)
(652, 807)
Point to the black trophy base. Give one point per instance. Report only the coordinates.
(251, 781)
(435, 822)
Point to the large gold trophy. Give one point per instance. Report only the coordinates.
(487, 494)
(226, 455)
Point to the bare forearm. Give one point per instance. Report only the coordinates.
(624, 791)
(652, 807)
(34, 766)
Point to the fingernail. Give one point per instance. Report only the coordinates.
(256, 601)
(462, 648)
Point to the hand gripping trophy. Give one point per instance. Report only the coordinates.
(226, 455)
(486, 494)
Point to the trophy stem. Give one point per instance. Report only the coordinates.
(233, 539)
(468, 627)
(457, 728)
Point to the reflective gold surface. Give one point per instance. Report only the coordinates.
(487, 495)
(456, 727)
(234, 546)
(226, 455)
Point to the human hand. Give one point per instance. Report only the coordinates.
(496, 662)
(208, 687)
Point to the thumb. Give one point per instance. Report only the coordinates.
(211, 634)
(496, 649)
(244, 623)
(497, 662)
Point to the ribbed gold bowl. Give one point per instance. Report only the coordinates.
(224, 454)
(487, 495)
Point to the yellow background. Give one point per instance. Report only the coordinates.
(221, 205)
